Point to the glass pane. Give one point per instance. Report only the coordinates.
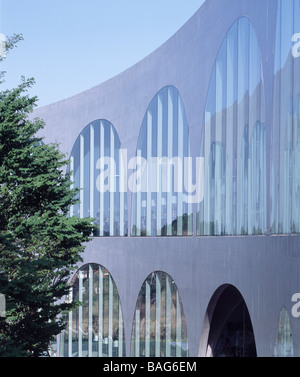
(96, 169)
(160, 208)
(285, 186)
(86, 172)
(97, 323)
(284, 342)
(159, 327)
(234, 195)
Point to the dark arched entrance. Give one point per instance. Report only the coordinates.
(227, 329)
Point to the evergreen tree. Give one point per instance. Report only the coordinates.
(40, 246)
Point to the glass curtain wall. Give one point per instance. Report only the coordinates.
(159, 327)
(96, 163)
(159, 200)
(285, 168)
(95, 328)
(234, 139)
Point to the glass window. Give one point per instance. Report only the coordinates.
(230, 326)
(95, 163)
(159, 205)
(159, 327)
(233, 140)
(285, 160)
(95, 328)
(284, 341)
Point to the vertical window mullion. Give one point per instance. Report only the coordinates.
(72, 184)
(180, 155)
(147, 319)
(100, 318)
(70, 338)
(110, 316)
(90, 326)
(137, 333)
(157, 316)
(81, 176)
(122, 190)
(178, 327)
(120, 340)
(253, 117)
(229, 226)
(168, 316)
(80, 314)
(149, 165)
(101, 215)
(159, 172)
(92, 164)
(190, 205)
(112, 179)
(170, 155)
(207, 192)
(139, 198)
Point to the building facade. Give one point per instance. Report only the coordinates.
(189, 162)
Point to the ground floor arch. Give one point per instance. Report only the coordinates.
(227, 328)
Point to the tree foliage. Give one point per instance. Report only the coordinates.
(40, 245)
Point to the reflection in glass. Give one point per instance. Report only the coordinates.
(95, 328)
(236, 338)
(284, 341)
(285, 157)
(95, 165)
(159, 327)
(159, 205)
(233, 140)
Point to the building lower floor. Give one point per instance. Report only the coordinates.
(189, 296)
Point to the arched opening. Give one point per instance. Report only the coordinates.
(284, 346)
(95, 327)
(227, 329)
(159, 326)
(97, 168)
(160, 205)
(235, 162)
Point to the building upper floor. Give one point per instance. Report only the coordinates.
(200, 138)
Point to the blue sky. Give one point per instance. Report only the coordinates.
(73, 45)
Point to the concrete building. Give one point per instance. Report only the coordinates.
(189, 161)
